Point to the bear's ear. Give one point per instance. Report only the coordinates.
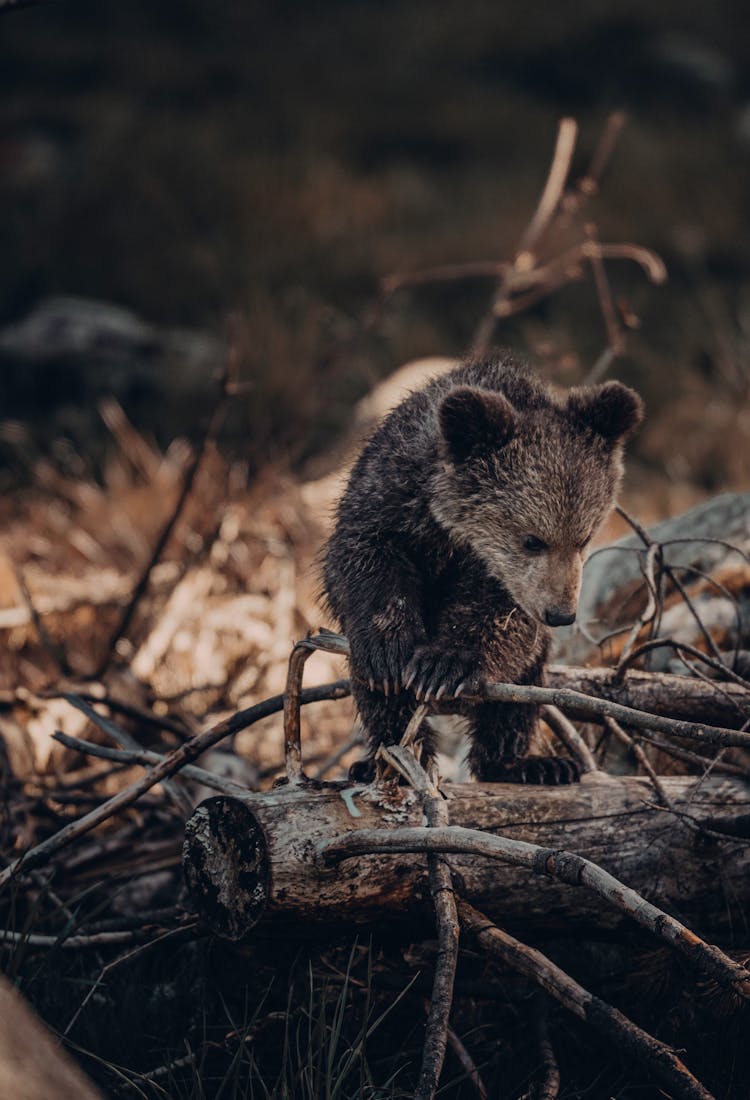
(612, 410)
(472, 421)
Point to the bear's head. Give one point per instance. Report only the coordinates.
(527, 488)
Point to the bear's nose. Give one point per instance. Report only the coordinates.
(555, 617)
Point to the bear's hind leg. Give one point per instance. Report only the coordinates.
(500, 741)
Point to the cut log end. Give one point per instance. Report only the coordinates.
(227, 867)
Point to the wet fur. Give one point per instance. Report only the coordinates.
(426, 571)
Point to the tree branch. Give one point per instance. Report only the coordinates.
(660, 1060)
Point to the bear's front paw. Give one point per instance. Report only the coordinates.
(379, 659)
(435, 672)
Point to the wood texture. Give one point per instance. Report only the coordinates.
(702, 879)
(682, 697)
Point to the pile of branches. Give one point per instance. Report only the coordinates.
(245, 869)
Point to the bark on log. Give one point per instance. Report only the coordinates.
(254, 858)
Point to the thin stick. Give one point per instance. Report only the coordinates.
(662, 1062)
(227, 389)
(140, 714)
(525, 260)
(548, 1086)
(446, 915)
(465, 1059)
(147, 759)
(624, 738)
(571, 738)
(728, 595)
(97, 939)
(170, 764)
(615, 336)
(647, 540)
(553, 190)
(565, 866)
(292, 718)
(696, 617)
(55, 651)
(301, 651)
(693, 651)
(125, 741)
(474, 269)
(446, 920)
(590, 182)
(603, 708)
(722, 766)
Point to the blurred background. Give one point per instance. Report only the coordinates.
(180, 160)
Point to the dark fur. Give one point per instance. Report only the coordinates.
(426, 570)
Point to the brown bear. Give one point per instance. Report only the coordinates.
(459, 542)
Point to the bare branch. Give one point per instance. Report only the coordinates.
(659, 1058)
(125, 741)
(565, 866)
(446, 915)
(227, 389)
(147, 759)
(551, 195)
(170, 764)
(624, 738)
(466, 1060)
(571, 738)
(590, 182)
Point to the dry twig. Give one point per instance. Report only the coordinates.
(523, 282)
(547, 1087)
(170, 764)
(660, 1059)
(571, 738)
(147, 759)
(624, 738)
(227, 389)
(565, 866)
(446, 915)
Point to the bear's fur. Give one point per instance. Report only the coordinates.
(460, 537)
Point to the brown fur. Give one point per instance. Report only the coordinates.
(461, 536)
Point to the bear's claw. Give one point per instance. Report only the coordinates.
(438, 673)
(552, 771)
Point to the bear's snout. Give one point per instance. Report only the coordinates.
(553, 616)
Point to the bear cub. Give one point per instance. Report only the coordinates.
(459, 543)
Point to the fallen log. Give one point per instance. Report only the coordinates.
(682, 697)
(260, 857)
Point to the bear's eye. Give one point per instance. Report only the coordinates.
(533, 545)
